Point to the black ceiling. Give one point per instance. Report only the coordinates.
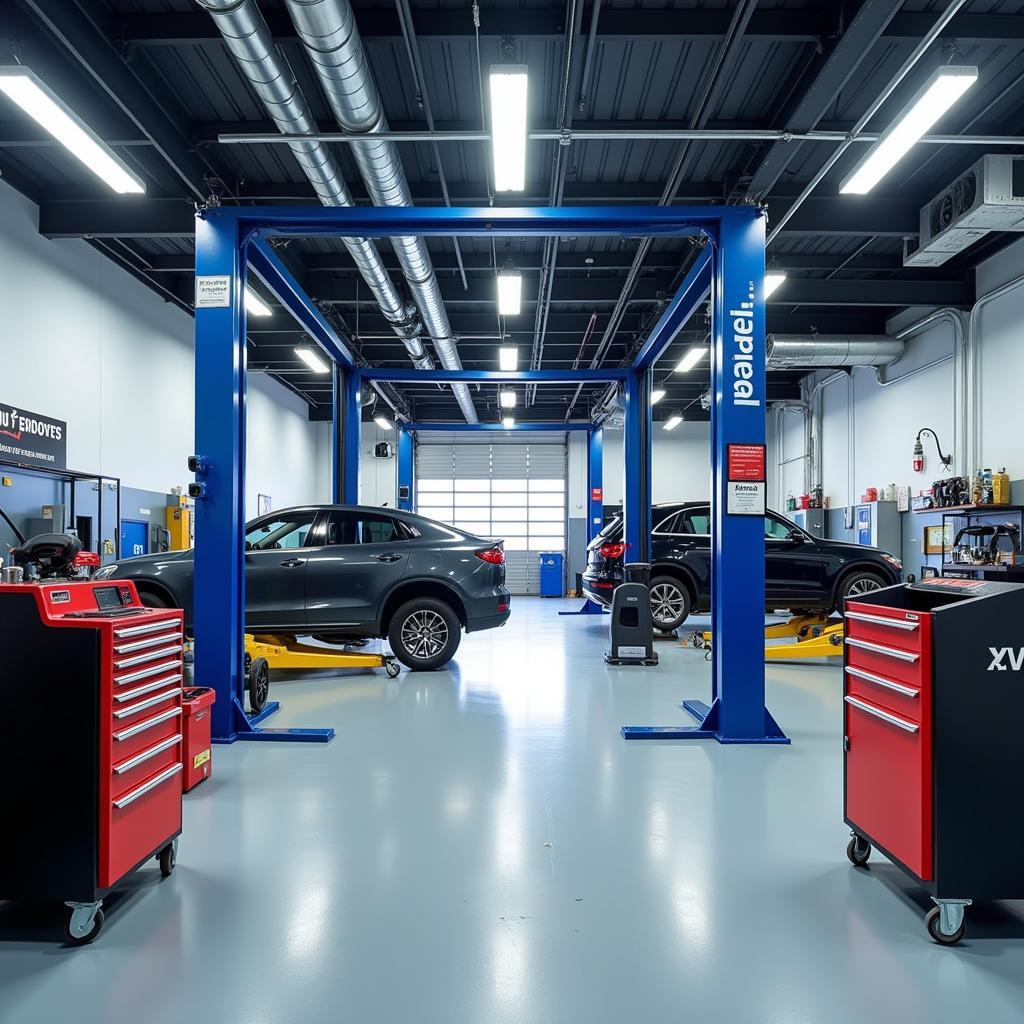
(152, 77)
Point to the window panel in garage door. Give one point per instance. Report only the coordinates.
(511, 490)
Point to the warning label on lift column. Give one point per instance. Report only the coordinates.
(745, 479)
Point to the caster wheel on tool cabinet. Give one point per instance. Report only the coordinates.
(392, 668)
(258, 684)
(933, 923)
(168, 857)
(76, 937)
(858, 850)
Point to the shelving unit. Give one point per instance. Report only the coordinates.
(960, 516)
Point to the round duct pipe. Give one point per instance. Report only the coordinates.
(817, 351)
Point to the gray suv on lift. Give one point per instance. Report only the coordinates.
(346, 572)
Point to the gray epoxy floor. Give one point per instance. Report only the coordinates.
(480, 845)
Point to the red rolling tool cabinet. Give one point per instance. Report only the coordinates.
(90, 687)
(933, 710)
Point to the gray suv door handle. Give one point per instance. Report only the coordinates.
(292, 563)
(388, 558)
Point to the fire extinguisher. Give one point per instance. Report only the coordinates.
(918, 456)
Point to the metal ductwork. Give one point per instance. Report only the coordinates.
(328, 30)
(814, 352)
(249, 41)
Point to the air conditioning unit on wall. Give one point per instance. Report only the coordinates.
(989, 196)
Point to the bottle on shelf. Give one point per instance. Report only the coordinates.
(1001, 488)
(986, 487)
(790, 502)
(976, 488)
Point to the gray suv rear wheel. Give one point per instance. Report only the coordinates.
(424, 633)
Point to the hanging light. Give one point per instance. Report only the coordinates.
(48, 111)
(312, 359)
(255, 306)
(943, 88)
(383, 422)
(508, 126)
(507, 399)
(510, 290)
(508, 422)
(673, 421)
(691, 359)
(774, 275)
(657, 395)
(508, 358)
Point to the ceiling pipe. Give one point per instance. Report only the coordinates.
(815, 351)
(249, 41)
(329, 33)
(569, 135)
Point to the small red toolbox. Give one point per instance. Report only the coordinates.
(196, 703)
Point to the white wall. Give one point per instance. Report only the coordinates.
(868, 429)
(83, 341)
(378, 478)
(680, 463)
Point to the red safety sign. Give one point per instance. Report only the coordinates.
(596, 494)
(746, 461)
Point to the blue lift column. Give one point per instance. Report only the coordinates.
(406, 497)
(595, 482)
(219, 467)
(219, 563)
(735, 274)
(351, 417)
(636, 503)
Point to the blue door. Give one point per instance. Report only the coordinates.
(134, 538)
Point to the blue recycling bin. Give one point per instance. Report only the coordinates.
(552, 574)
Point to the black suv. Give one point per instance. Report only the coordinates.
(801, 572)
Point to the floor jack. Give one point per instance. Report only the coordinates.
(814, 636)
(264, 652)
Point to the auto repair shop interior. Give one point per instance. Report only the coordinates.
(511, 511)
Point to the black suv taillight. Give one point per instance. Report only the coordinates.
(612, 550)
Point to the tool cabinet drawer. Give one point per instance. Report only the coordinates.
(890, 627)
(910, 701)
(130, 771)
(907, 667)
(131, 738)
(141, 819)
(889, 781)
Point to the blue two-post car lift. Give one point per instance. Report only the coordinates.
(231, 241)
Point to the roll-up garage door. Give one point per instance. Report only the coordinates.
(512, 490)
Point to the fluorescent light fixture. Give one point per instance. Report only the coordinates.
(508, 359)
(939, 93)
(774, 275)
(507, 399)
(383, 422)
(508, 126)
(312, 360)
(48, 111)
(673, 421)
(657, 396)
(255, 306)
(510, 291)
(692, 358)
(508, 422)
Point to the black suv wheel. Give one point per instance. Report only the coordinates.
(424, 633)
(670, 603)
(857, 584)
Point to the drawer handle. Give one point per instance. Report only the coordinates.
(138, 691)
(900, 723)
(149, 627)
(881, 620)
(907, 691)
(150, 641)
(134, 730)
(138, 659)
(150, 670)
(149, 702)
(889, 652)
(167, 773)
(134, 762)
